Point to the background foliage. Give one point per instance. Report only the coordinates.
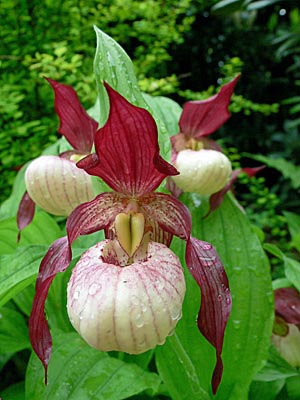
(185, 50)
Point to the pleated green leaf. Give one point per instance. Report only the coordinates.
(19, 270)
(79, 372)
(42, 230)
(13, 331)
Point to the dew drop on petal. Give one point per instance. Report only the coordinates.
(175, 313)
(139, 321)
(143, 307)
(160, 285)
(94, 288)
(76, 295)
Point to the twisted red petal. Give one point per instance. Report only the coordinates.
(86, 218)
(208, 271)
(75, 124)
(56, 260)
(203, 117)
(25, 213)
(127, 152)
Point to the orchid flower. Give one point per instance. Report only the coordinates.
(54, 183)
(286, 331)
(203, 168)
(126, 292)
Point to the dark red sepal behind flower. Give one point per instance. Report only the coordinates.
(217, 198)
(203, 117)
(25, 213)
(208, 271)
(287, 305)
(75, 124)
(127, 150)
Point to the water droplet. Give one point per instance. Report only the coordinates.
(160, 285)
(220, 297)
(143, 307)
(237, 270)
(236, 324)
(139, 321)
(175, 313)
(80, 316)
(161, 342)
(76, 295)
(141, 344)
(94, 288)
(228, 300)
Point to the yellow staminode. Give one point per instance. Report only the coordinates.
(130, 231)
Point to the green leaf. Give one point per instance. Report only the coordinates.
(250, 325)
(265, 390)
(178, 371)
(293, 388)
(24, 299)
(13, 331)
(56, 304)
(18, 270)
(226, 7)
(276, 368)
(113, 65)
(281, 283)
(9, 207)
(286, 168)
(167, 110)
(14, 392)
(293, 221)
(42, 230)
(274, 250)
(292, 271)
(79, 372)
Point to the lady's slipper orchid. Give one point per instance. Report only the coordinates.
(54, 183)
(203, 168)
(286, 332)
(126, 292)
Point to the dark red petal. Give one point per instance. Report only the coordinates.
(170, 214)
(127, 150)
(95, 215)
(25, 213)
(208, 271)
(253, 171)
(217, 198)
(75, 124)
(56, 260)
(287, 304)
(86, 218)
(203, 117)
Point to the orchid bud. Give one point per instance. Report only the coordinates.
(56, 185)
(204, 172)
(126, 308)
